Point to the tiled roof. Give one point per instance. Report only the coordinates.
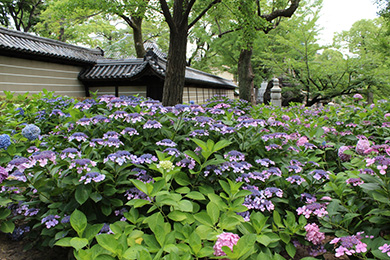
(130, 69)
(154, 47)
(29, 45)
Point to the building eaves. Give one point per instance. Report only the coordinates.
(20, 44)
(131, 69)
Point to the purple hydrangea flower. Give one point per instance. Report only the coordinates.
(320, 174)
(167, 142)
(121, 157)
(146, 158)
(187, 162)
(237, 167)
(106, 229)
(134, 118)
(152, 124)
(65, 219)
(31, 132)
(273, 147)
(295, 179)
(265, 162)
(294, 168)
(99, 119)
(50, 221)
(235, 156)
(20, 163)
(110, 142)
(3, 174)
(247, 177)
(84, 121)
(118, 114)
(349, 245)
(82, 165)
(355, 181)
(134, 193)
(96, 141)
(111, 134)
(317, 209)
(57, 112)
(172, 151)
(70, 153)
(199, 132)
(43, 158)
(92, 176)
(130, 131)
(257, 200)
(78, 136)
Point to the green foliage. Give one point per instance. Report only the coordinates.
(136, 199)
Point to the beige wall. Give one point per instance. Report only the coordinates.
(22, 75)
(200, 95)
(123, 90)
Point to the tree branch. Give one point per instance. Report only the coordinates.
(167, 14)
(288, 12)
(188, 9)
(202, 13)
(258, 8)
(226, 32)
(127, 20)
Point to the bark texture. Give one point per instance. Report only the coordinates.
(178, 22)
(136, 24)
(176, 68)
(245, 75)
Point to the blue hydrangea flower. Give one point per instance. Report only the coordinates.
(5, 141)
(31, 132)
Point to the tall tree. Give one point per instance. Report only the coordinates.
(252, 17)
(20, 14)
(76, 19)
(355, 64)
(368, 42)
(177, 15)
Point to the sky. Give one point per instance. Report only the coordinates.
(339, 15)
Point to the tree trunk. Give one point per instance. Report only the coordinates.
(370, 96)
(245, 75)
(176, 68)
(138, 39)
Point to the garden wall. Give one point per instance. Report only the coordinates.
(122, 90)
(22, 75)
(200, 95)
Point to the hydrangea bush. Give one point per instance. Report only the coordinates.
(126, 178)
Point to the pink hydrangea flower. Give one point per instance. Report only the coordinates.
(225, 239)
(344, 157)
(385, 249)
(358, 96)
(362, 145)
(301, 141)
(313, 234)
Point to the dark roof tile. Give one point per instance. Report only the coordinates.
(28, 44)
(128, 69)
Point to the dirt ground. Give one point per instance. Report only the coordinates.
(13, 250)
